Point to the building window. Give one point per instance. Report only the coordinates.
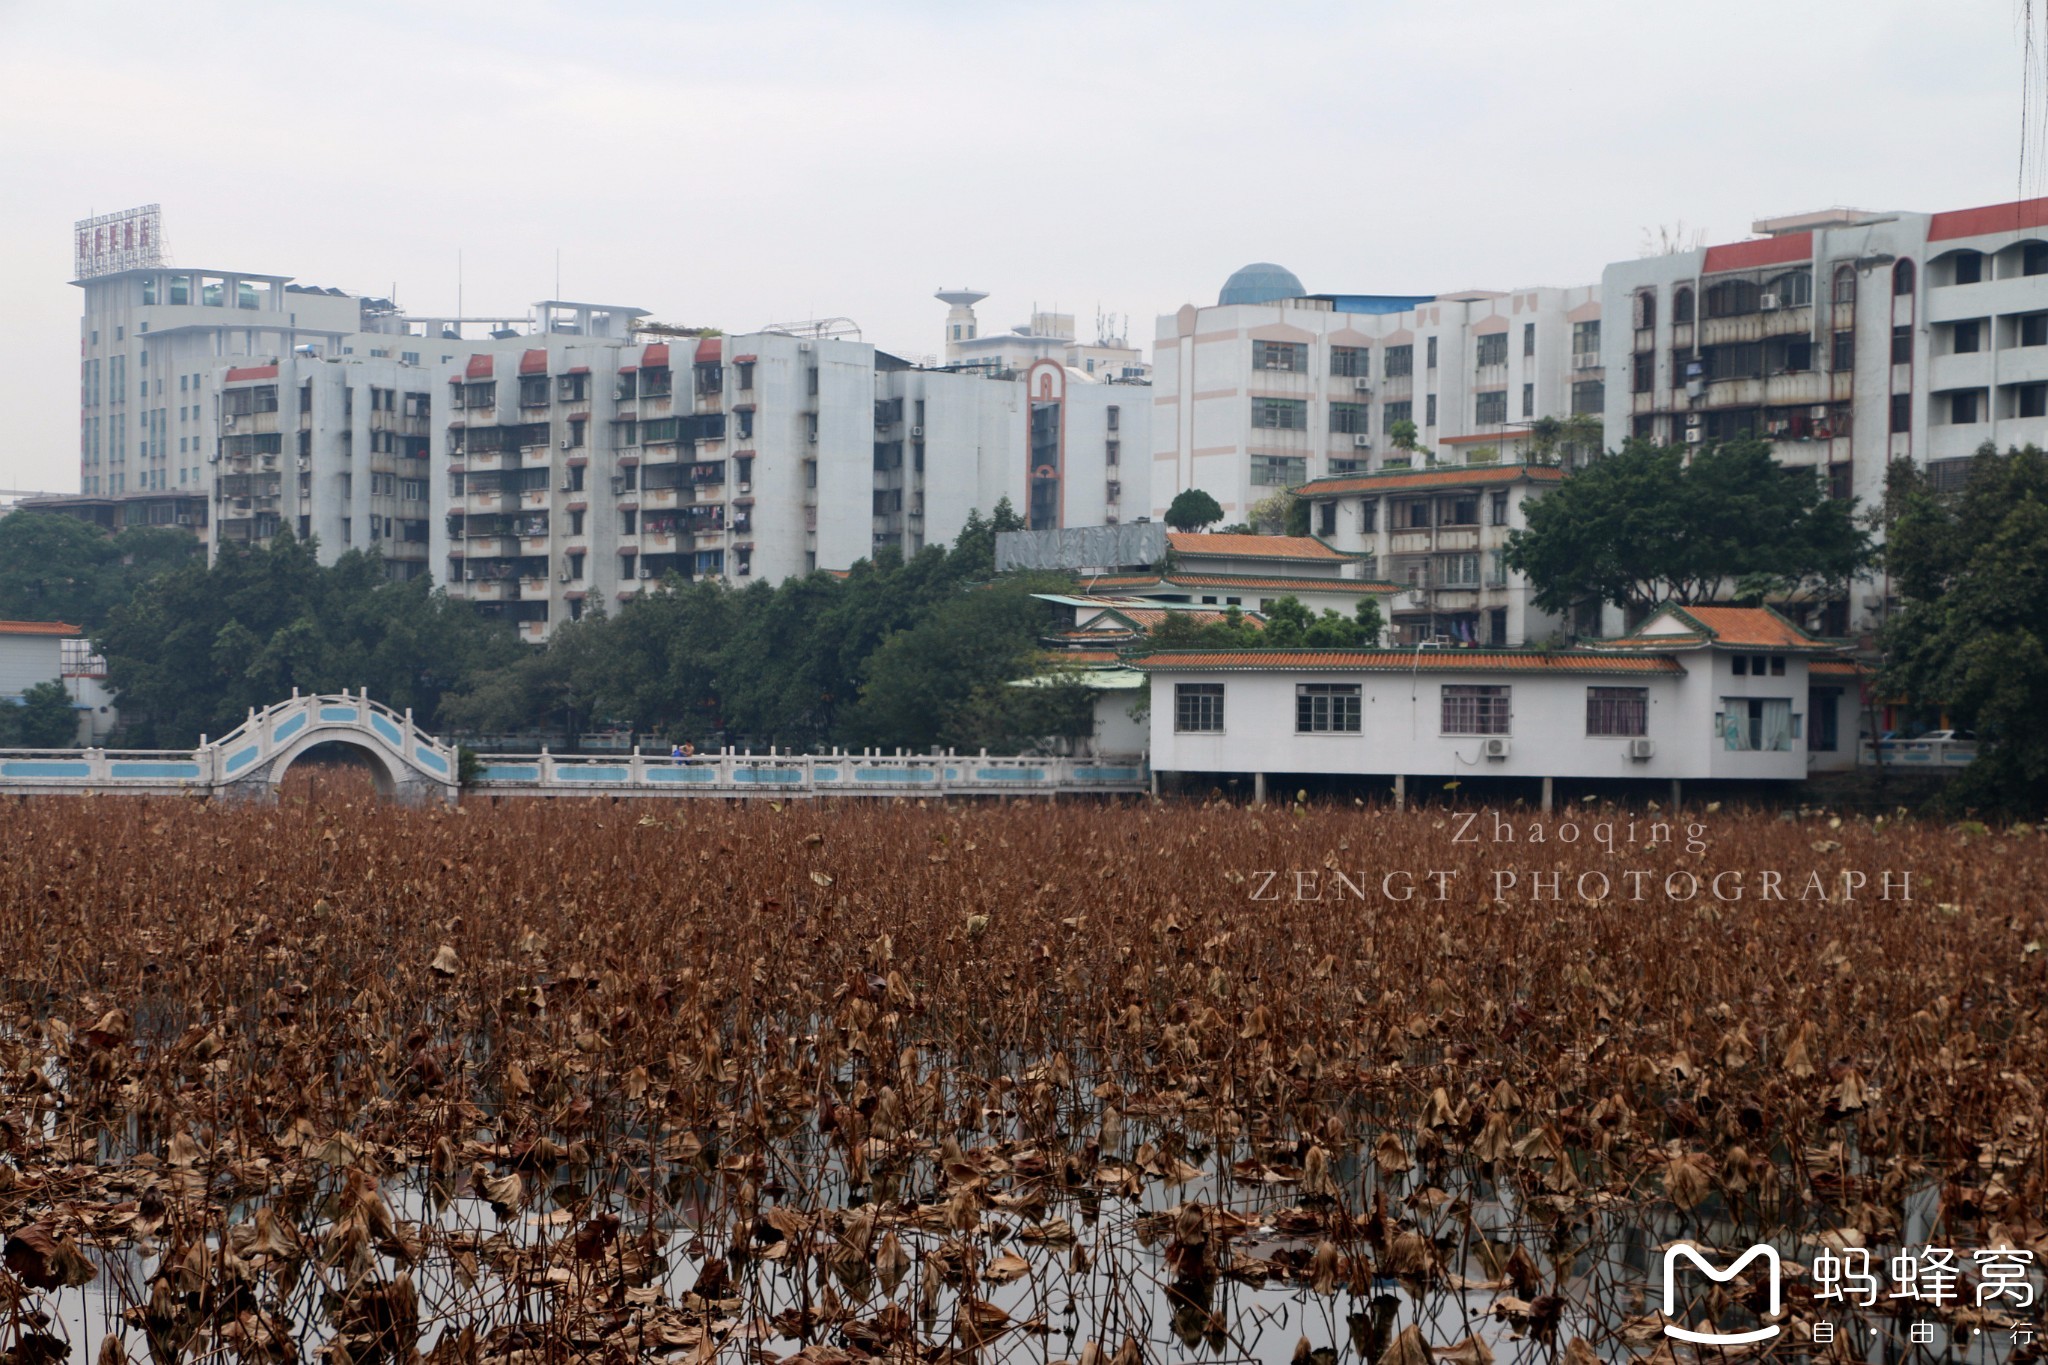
(1528, 338)
(1368, 516)
(2034, 329)
(1400, 362)
(1350, 362)
(1845, 284)
(1429, 410)
(1964, 408)
(1279, 471)
(1499, 502)
(1843, 358)
(2033, 400)
(1589, 396)
(1403, 411)
(1969, 267)
(1756, 723)
(1493, 349)
(1585, 339)
(1902, 278)
(1280, 355)
(1528, 400)
(1432, 353)
(1824, 734)
(1490, 407)
(1642, 374)
(1326, 518)
(1349, 418)
(1112, 451)
(1326, 708)
(533, 391)
(1968, 336)
(1617, 712)
(1198, 708)
(1842, 480)
(1470, 709)
(1280, 414)
(1902, 411)
(1646, 308)
(1902, 345)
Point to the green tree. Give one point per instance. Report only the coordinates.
(1647, 525)
(1192, 509)
(1971, 634)
(1405, 437)
(45, 719)
(58, 568)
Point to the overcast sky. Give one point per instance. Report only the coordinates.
(745, 163)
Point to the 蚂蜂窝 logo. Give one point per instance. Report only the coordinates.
(1673, 1254)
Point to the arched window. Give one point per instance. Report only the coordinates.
(1646, 308)
(1845, 284)
(1681, 304)
(1902, 278)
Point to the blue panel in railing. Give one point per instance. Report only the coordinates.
(339, 713)
(582, 772)
(1109, 774)
(290, 727)
(145, 769)
(241, 758)
(511, 772)
(384, 727)
(893, 775)
(952, 774)
(30, 767)
(770, 775)
(825, 774)
(683, 774)
(431, 761)
(1009, 774)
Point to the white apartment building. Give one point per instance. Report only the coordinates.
(576, 471)
(1048, 336)
(1847, 338)
(1272, 386)
(1438, 535)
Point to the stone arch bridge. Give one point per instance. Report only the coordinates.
(412, 766)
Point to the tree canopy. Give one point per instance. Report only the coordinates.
(1646, 524)
(58, 568)
(1288, 625)
(46, 719)
(1192, 509)
(1971, 634)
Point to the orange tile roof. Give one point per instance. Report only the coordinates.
(1407, 660)
(1838, 668)
(1080, 656)
(1221, 580)
(1744, 627)
(1238, 546)
(1406, 480)
(38, 628)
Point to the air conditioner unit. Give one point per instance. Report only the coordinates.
(917, 433)
(646, 570)
(1361, 441)
(1873, 603)
(563, 575)
(1694, 435)
(1640, 749)
(566, 444)
(1770, 303)
(812, 437)
(746, 488)
(618, 483)
(1363, 386)
(468, 574)
(1495, 748)
(568, 486)
(1818, 412)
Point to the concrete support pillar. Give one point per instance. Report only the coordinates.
(1155, 784)
(1674, 793)
(1400, 792)
(1258, 789)
(1547, 794)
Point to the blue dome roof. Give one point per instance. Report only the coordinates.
(1261, 282)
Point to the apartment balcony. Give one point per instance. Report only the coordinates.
(1988, 298)
(483, 504)
(1968, 370)
(531, 456)
(492, 589)
(658, 542)
(1953, 440)
(652, 498)
(2022, 365)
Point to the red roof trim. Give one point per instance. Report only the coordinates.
(242, 372)
(655, 355)
(577, 369)
(533, 362)
(709, 350)
(1408, 660)
(479, 367)
(1793, 246)
(745, 359)
(38, 628)
(1481, 440)
(2013, 216)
